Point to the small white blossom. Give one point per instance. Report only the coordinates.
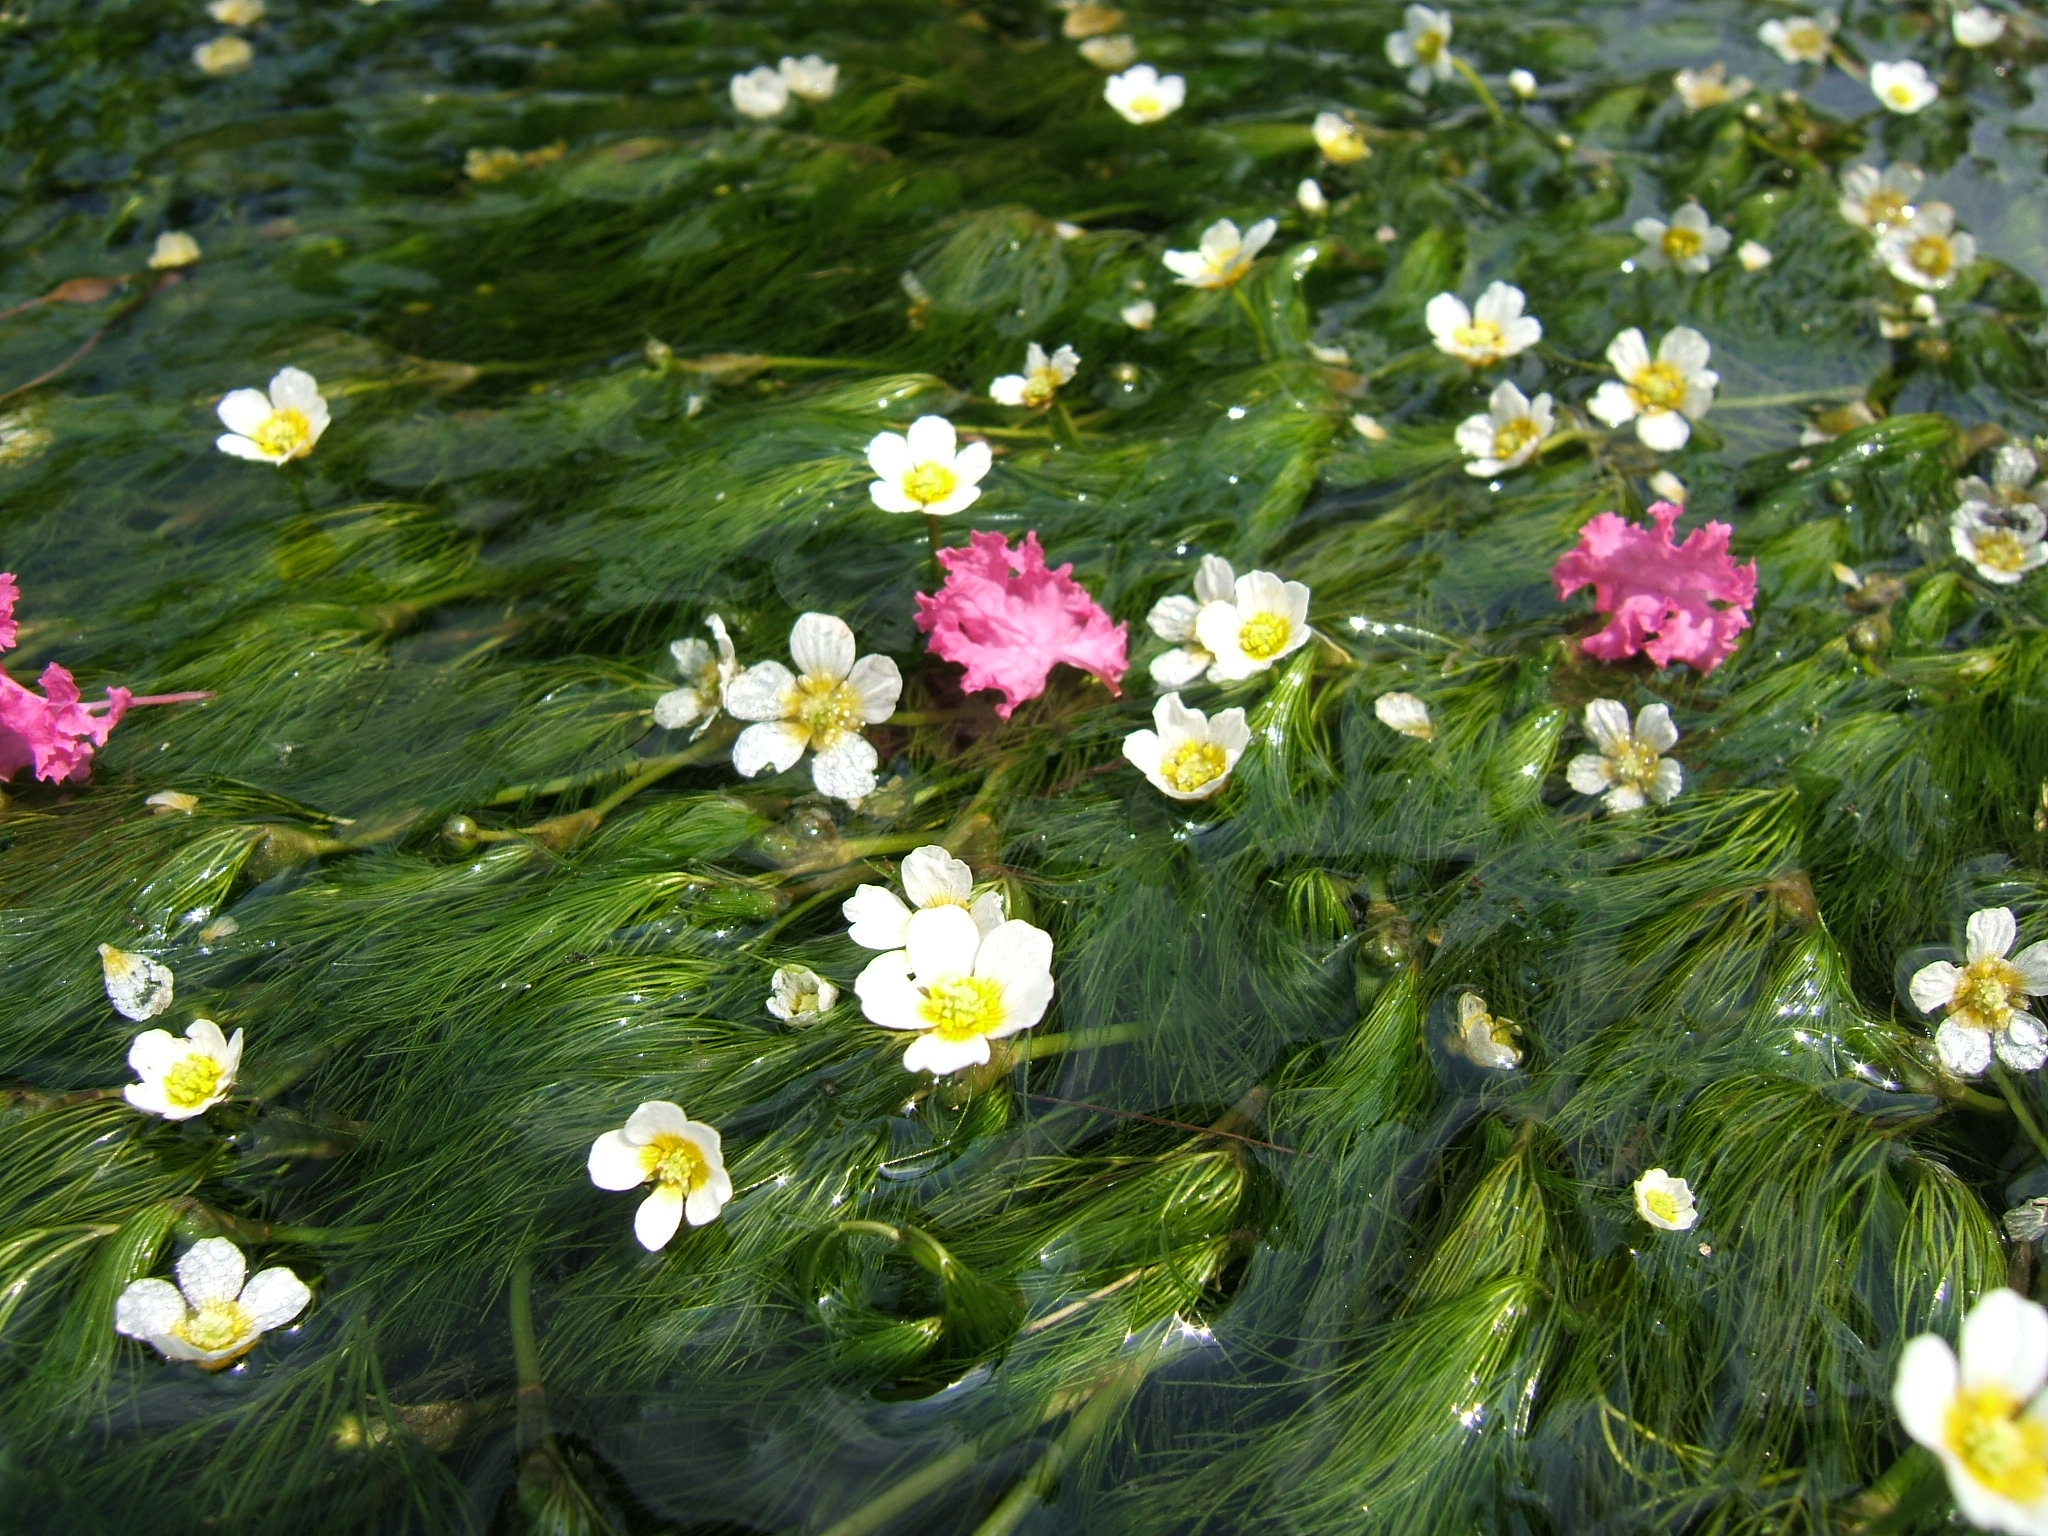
(1984, 1001)
(1508, 436)
(173, 248)
(172, 802)
(796, 993)
(228, 55)
(926, 470)
(274, 428)
(138, 986)
(2001, 543)
(1709, 87)
(809, 77)
(1927, 250)
(1976, 26)
(1339, 138)
(1800, 39)
(1142, 95)
(1040, 380)
(706, 674)
(760, 93)
(877, 918)
(1752, 257)
(1263, 620)
(1984, 1416)
(1368, 427)
(1112, 53)
(1903, 86)
(1667, 487)
(182, 1078)
(1629, 770)
(1405, 713)
(1690, 242)
(1188, 755)
(1665, 1202)
(1173, 619)
(1876, 202)
(1224, 257)
(1662, 397)
(235, 13)
(210, 1317)
(2014, 482)
(1483, 1039)
(683, 1159)
(1309, 196)
(1492, 329)
(821, 708)
(957, 987)
(1139, 314)
(1422, 47)
(1522, 84)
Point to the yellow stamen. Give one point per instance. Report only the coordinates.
(2005, 1452)
(962, 1007)
(1192, 764)
(1661, 1203)
(930, 483)
(192, 1082)
(1659, 387)
(1144, 106)
(1511, 437)
(215, 1325)
(1480, 336)
(1263, 635)
(1988, 992)
(1932, 254)
(1633, 763)
(674, 1162)
(1680, 243)
(284, 433)
(1429, 47)
(826, 707)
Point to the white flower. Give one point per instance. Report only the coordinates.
(274, 428)
(1668, 487)
(1663, 398)
(1405, 713)
(682, 1158)
(877, 918)
(796, 992)
(1139, 314)
(1876, 202)
(1339, 138)
(926, 471)
(1492, 329)
(172, 802)
(1188, 756)
(1926, 251)
(1985, 999)
(173, 248)
(706, 675)
(1752, 257)
(1487, 1041)
(1800, 39)
(210, 1316)
(2013, 485)
(1708, 87)
(1422, 47)
(1309, 196)
(1985, 1417)
(958, 987)
(1629, 771)
(1110, 53)
(228, 55)
(1142, 95)
(1902, 86)
(139, 988)
(1263, 620)
(1040, 380)
(1225, 255)
(182, 1078)
(1665, 1202)
(1522, 83)
(1690, 242)
(1976, 26)
(235, 13)
(761, 92)
(1368, 427)
(1173, 619)
(809, 77)
(821, 708)
(1509, 435)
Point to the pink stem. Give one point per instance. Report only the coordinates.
(154, 698)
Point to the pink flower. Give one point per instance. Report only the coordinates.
(1676, 602)
(1007, 619)
(10, 594)
(52, 729)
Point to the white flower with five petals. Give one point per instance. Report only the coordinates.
(210, 1317)
(706, 674)
(2002, 543)
(1903, 86)
(1264, 620)
(1689, 242)
(1663, 397)
(1800, 39)
(1709, 87)
(820, 708)
(1339, 138)
(1985, 1416)
(1224, 257)
(274, 428)
(182, 1078)
(2015, 482)
(1877, 200)
(1984, 1001)
(1173, 619)
(957, 987)
(1040, 380)
(1189, 755)
(926, 470)
(1665, 1202)
(1492, 329)
(682, 1158)
(1422, 47)
(1630, 769)
(877, 918)
(1976, 26)
(1927, 250)
(1142, 95)
(1508, 436)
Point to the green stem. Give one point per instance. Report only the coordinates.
(713, 743)
(1400, 360)
(1034, 1047)
(906, 1493)
(2020, 1112)
(1789, 397)
(533, 1414)
(1094, 1417)
(1479, 89)
(931, 530)
(1244, 302)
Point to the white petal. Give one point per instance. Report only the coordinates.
(971, 464)
(211, 1270)
(1964, 1052)
(987, 911)
(2005, 1344)
(273, 1297)
(821, 646)
(1173, 618)
(704, 1203)
(148, 1308)
(761, 692)
(846, 769)
(243, 411)
(1628, 354)
(932, 440)
(1144, 751)
(887, 996)
(1008, 390)
(1446, 315)
(1607, 723)
(1179, 667)
(243, 448)
(1500, 303)
(1991, 933)
(2032, 964)
(1924, 1388)
(941, 941)
(1665, 431)
(889, 456)
(658, 1217)
(1933, 987)
(656, 1117)
(293, 389)
(876, 917)
(774, 744)
(1654, 727)
(1668, 780)
(1613, 404)
(138, 986)
(1589, 773)
(932, 876)
(677, 708)
(931, 1053)
(615, 1162)
(1622, 799)
(1215, 581)
(878, 683)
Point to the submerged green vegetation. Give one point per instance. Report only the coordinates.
(1249, 1234)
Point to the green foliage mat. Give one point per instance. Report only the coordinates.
(1236, 1243)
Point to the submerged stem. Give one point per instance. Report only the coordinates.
(532, 1401)
(906, 1493)
(1479, 89)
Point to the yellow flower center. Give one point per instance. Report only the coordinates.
(1900, 95)
(1805, 37)
(215, 1325)
(283, 433)
(675, 1162)
(1511, 437)
(1192, 764)
(1988, 993)
(1932, 254)
(929, 483)
(2005, 1452)
(1480, 336)
(1634, 763)
(1659, 387)
(825, 707)
(1040, 385)
(962, 1007)
(2001, 549)
(1661, 1203)
(1429, 47)
(1680, 243)
(192, 1081)
(1263, 635)
(1344, 146)
(1144, 106)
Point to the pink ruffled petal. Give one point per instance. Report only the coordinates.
(1672, 602)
